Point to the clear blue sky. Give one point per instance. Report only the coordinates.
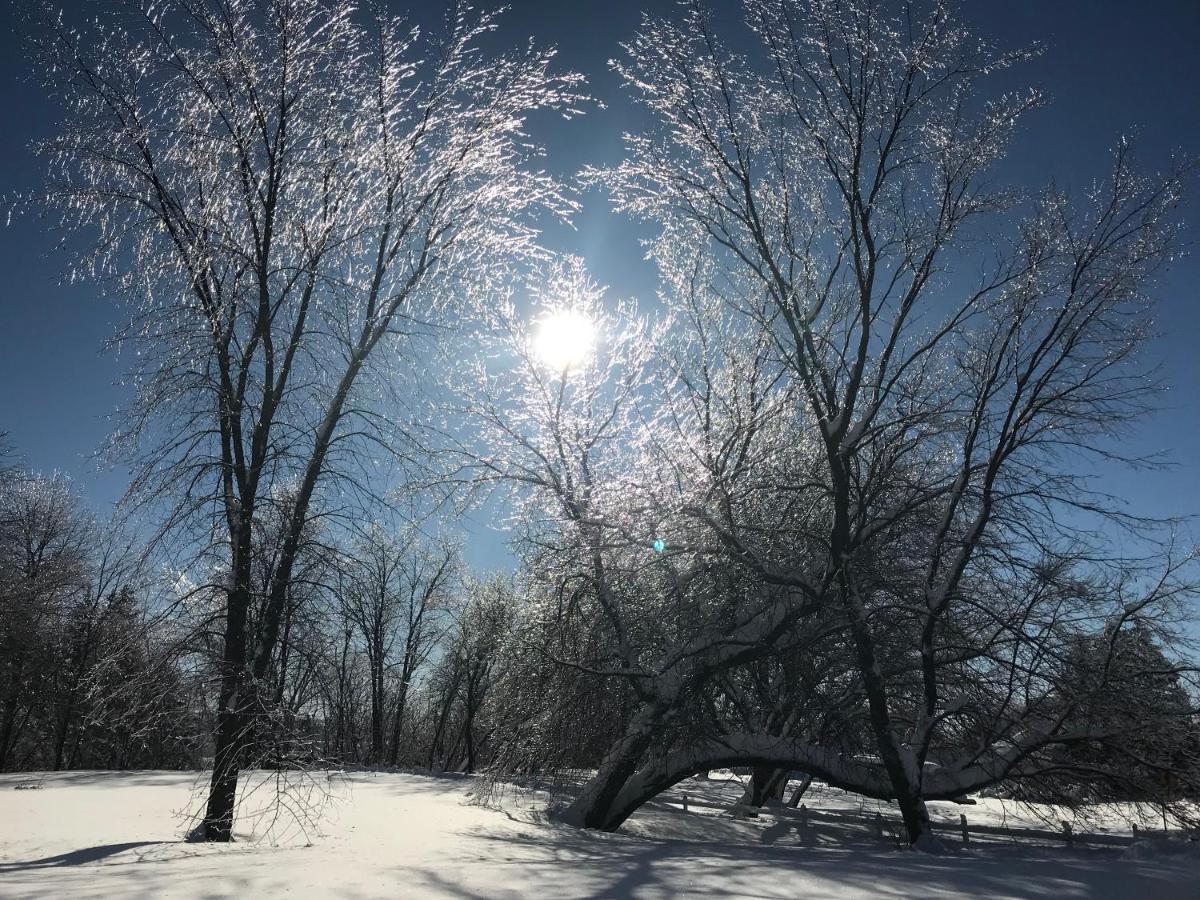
(1111, 68)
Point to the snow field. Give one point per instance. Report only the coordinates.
(118, 834)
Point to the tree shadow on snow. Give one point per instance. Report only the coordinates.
(616, 867)
(75, 857)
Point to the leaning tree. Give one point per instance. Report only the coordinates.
(284, 190)
(959, 356)
(623, 589)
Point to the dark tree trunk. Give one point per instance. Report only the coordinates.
(285, 646)
(593, 806)
(341, 734)
(469, 727)
(912, 807)
(800, 791)
(377, 714)
(443, 716)
(916, 818)
(73, 759)
(64, 728)
(765, 787)
(218, 817)
(398, 722)
(231, 721)
(8, 729)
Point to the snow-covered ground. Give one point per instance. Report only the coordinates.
(409, 836)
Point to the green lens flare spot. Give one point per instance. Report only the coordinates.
(659, 545)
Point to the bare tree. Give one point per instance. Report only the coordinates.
(101, 622)
(846, 182)
(394, 587)
(284, 189)
(44, 536)
(606, 457)
(86, 679)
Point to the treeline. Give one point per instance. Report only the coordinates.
(389, 653)
(88, 678)
(392, 654)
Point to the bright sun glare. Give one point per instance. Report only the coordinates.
(565, 339)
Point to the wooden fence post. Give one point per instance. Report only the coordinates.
(1068, 836)
(962, 822)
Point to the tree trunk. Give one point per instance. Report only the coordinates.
(916, 820)
(74, 757)
(592, 807)
(64, 728)
(443, 716)
(765, 787)
(285, 646)
(398, 722)
(231, 721)
(376, 711)
(469, 728)
(341, 734)
(906, 787)
(222, 794)
(8, 729)
(800, 791)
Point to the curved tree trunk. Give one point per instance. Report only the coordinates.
(870, 779)
(592, 808)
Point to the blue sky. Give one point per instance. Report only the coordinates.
(1110, 68)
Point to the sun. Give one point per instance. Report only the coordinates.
(564, 340)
